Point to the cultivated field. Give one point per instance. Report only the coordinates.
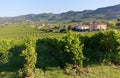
(16, 50)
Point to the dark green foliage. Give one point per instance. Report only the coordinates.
(50, 53)
(67, 49)
(103, 46)
(10, 59)
(16, 61)
(118, 24)
(69, 27)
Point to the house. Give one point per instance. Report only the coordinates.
(97, 26)
(90, 26)
(81, 27)
(102, 26)
(51, 26)
(40, 26)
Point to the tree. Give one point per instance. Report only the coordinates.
(70, 27)
(111, 24)
(118, 19)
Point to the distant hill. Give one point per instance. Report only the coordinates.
(106, 13)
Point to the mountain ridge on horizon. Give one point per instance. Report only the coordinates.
(104, 13)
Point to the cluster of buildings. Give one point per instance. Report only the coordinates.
(45, 25)
(90, 26)
(87, 26)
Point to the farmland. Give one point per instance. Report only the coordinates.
(27, 51)
(16, 31)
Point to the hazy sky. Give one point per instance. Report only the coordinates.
(22, 7)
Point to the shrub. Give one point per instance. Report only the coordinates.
(30, 57)
(72, 50)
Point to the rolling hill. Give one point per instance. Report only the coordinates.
(105, 13)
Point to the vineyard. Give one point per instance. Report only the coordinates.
(22, 32)
(26, 52)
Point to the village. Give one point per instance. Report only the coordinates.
(84, 27)
(90, 26)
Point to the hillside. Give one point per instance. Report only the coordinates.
(105, 13)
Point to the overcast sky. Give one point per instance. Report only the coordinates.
(22, 7)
